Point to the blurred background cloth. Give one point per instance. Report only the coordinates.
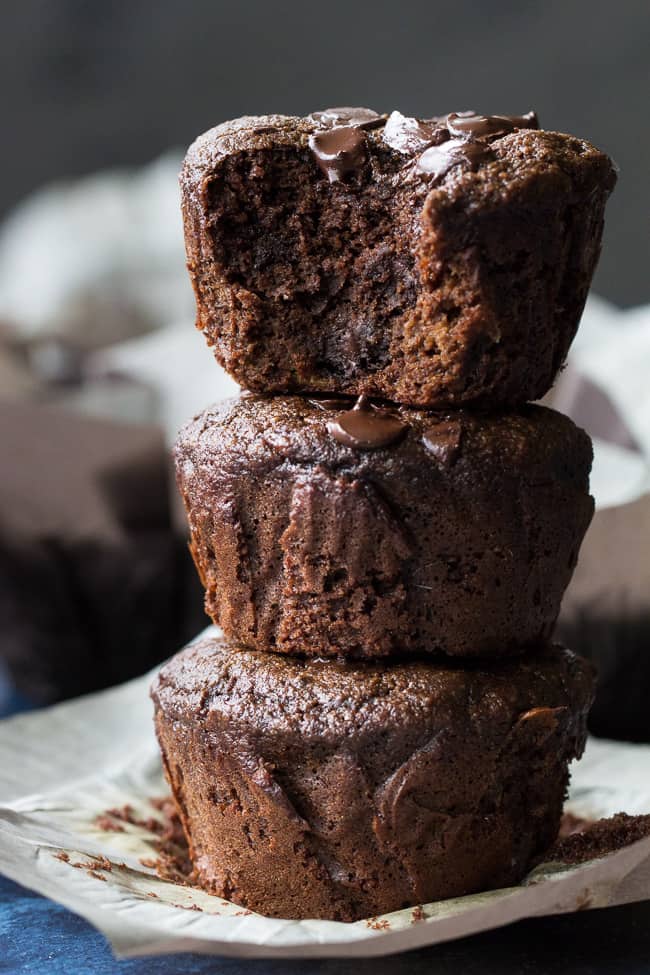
(99, 360)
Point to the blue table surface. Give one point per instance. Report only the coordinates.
(37, 935)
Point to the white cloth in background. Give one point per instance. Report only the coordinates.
(177, 364)
(96, 260)
(612, 350)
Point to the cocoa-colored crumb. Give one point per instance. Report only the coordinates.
(599, 838)
(175, 867)
(108, 824)
(102, 863)
(570, 824)
(127, 814)
(172, 862)
(378, 925)
(165, 805)
(93, 865)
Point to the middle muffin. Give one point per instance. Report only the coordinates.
(369, 531)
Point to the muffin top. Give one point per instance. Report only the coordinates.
(453, 150)
(223, 686)
(258, 434)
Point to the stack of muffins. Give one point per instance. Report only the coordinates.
(383, 527)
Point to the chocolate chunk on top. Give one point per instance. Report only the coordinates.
(362, 118)
(367, 427)
(339, 151)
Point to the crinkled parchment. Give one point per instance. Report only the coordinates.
(62, 767)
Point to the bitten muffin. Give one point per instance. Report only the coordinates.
(312, 788)
(372, 531)
(430, 262)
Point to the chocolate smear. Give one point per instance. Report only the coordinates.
(339, 151)
(367, 427)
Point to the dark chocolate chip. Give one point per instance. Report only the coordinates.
(339, 151)
(527, 121)
(443, 440)
(489, 126)
(360, 118)
(366, 427)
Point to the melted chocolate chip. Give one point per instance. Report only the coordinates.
(339, 151)
(443, 440)
(527, 121)
(489, 126)
(411, 135)
(360, 118)
(367, 427)
(438, 160)
(469, 143)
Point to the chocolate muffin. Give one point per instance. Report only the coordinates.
(432, 263)
(374, 531)
(96, 584)
(312, 788)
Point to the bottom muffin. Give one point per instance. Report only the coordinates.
(312, 788)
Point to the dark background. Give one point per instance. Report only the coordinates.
(88, 85)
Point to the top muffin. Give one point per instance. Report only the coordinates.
(436, 262)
